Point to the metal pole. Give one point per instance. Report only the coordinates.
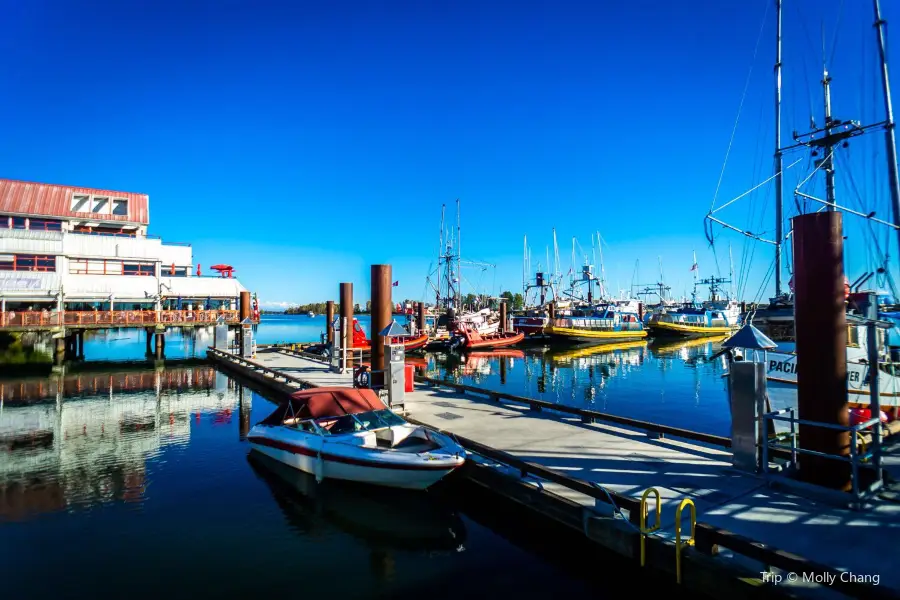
(889, 137)
(874, 399)
(381, 312)
(329, 322)
(821, 338)
(346, 302)
(779, 184)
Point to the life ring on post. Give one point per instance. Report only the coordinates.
(361, 377)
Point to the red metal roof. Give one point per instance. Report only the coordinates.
(48, 200)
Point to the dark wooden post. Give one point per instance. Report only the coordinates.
(381, 312)
(346, 325)
(420, 321)
(329, 319)
(821, 330)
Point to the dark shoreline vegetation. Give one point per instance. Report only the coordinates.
(14, 353)
(515, 301)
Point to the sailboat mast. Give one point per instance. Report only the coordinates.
(779, 183)
(458, 262)
(525, 267)
(731, 272)
(556, 267)
(441, 250)
(890, 139)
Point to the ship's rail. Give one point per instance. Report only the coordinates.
(36, 320)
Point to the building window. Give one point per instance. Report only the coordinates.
(27, 262)
(4, 222)
(81, 203)
(105, 231)
(139, 269)
(45, 225)
(83, 266)
(100, 205)
(18, 223)
(120, 207)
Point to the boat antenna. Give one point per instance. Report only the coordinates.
(889, 136)
(557, 270)
(525, 267)
(779, 163)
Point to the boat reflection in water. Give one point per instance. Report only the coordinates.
(384, 518)
(678, 383)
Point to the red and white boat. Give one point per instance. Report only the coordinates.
(349, 434)
(409, 343)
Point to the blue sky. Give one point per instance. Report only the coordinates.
(303, 141)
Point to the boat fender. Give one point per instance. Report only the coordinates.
(320, 467)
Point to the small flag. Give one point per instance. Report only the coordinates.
(396, 283)
(694, 267)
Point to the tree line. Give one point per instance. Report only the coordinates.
(515, 301)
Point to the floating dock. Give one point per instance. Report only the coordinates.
(593, 473)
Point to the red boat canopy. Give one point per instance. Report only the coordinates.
(325, 402)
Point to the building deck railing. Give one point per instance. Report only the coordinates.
(112, 318)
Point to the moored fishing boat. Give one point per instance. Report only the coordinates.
(360, 341)
(472, 340)
(349, 434)
(603, 324)
(691, 321)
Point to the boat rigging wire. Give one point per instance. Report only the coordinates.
(741, 105)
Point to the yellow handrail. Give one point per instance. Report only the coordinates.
(862, 443)
(644, 513)
(690, 541)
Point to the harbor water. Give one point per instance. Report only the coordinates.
(137, 479)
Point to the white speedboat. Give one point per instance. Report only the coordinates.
(349, 434)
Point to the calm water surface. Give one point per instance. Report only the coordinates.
(140, 484)
(674, 383)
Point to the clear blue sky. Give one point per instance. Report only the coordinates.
(303, 141)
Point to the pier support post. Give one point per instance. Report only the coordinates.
(381, 312)
(60, 350)
(149, 349)
(244, 306)
(503, 326)
(160, 345)
(551, 311)
(80, 337)
(821, 331)
(346, 324)
(329, 319)
(420, 317)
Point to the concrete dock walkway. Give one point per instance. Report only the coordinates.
(628, 461)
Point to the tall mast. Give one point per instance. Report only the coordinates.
(731, 272)
(441, 251)
(889, 137)
(828, 146)
(556, 267)
(458, 262)
(525, 267)
(603, 290)
(779, 184)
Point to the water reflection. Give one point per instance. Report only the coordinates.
(677, 383)
(81, 439)
(385, 519)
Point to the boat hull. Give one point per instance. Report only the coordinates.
(782, 367)
(414, 475)
(501, 342)
(663, 328)
(530, 326)
(581, 336)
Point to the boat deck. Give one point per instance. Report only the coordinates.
(629, 461)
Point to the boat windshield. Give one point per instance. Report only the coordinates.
(366, 421)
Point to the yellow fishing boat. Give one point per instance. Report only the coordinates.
(601, 325)
(692, 322)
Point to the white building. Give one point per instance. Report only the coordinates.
(86, 249)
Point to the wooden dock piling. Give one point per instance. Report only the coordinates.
(346, 326)
(381, 312)
(821, 330)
